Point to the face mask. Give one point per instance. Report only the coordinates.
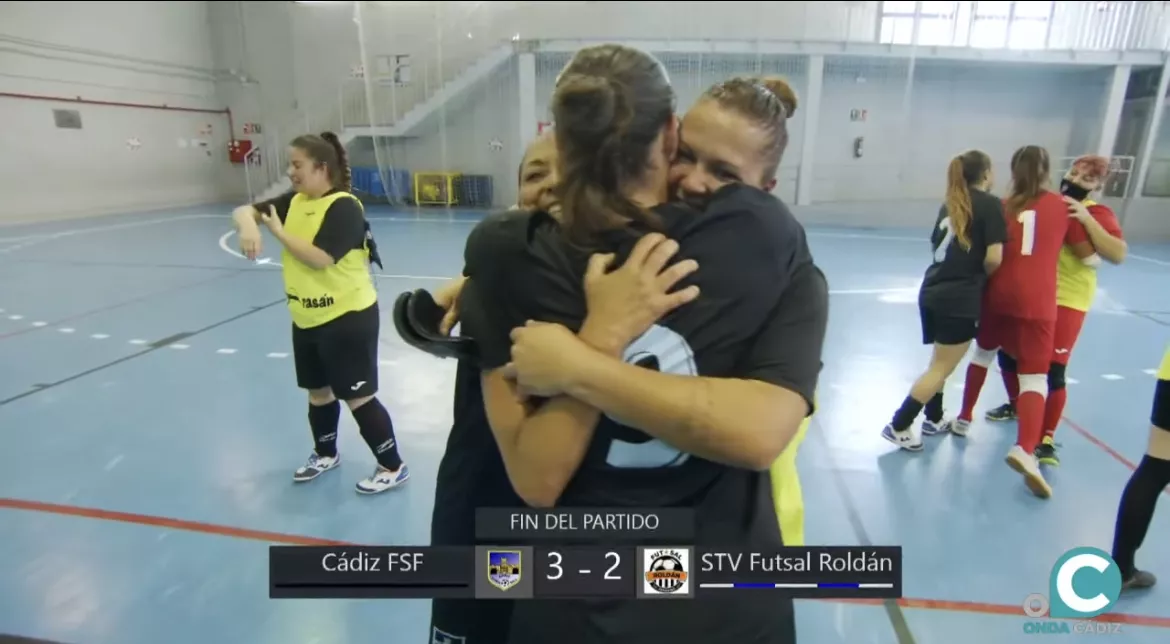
(1070, 189)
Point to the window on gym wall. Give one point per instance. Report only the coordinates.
(984, 24)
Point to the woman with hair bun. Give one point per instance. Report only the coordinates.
(326, 256)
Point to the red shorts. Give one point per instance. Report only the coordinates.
(1068, 329)
(1030, 342)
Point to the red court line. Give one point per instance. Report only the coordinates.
(1092, 438)
(298, 540)
(1089, 436)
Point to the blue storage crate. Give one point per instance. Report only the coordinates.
(362, 179)
(368, 182)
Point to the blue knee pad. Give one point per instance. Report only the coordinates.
(1160, 416)
(1006, 362)
(1055, 376)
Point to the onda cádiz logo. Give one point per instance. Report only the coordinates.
(1084, 583)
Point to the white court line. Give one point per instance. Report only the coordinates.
(99, 336)
(39, 324)
(102, 229)
(223, 244)
(66, 330)
(16, 317)
(226, 352)
(137, 341)
(277, 355)
(179, 346)
(267, 261)
(1152, 260)
(1150, 372)
(1112, 376)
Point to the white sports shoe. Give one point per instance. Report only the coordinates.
(1026, 464)
(905, 439)
(315, 466)
(383, 479)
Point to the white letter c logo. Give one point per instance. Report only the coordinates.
(1064, 583)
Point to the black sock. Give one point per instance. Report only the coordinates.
(323, 422)
(1137, 509)
(378, 430)
(906, 414)
(934, 408)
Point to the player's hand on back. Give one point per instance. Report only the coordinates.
(545, 357)
(1077, 209)
(624, 302)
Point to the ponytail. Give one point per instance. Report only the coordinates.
(1029, 174)
(341, 176)
(592, 148)
(959, 203)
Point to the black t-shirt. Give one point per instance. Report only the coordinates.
(471, 473)
(343, 229)
(761, 314)
(954, 282)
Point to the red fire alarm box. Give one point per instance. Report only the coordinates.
(238, 150)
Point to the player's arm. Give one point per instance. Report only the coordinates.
(744, 422)
(1077, 241)
(1104, 232)
(248, 215)
(542, 442)
(542, 445)
(994, 235)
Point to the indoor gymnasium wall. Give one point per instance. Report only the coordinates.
(691, 75)
(952, 107)
(253, 47)
(833, 20)
(145, 53)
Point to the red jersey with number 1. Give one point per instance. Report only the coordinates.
(1025, 284)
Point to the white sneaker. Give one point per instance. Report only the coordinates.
(1026, 464)
(314, 467)
(905, 439)
(382, 480)
(958, 426)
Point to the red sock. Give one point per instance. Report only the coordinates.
(1011, 382)
(1053, 410)
(1030, 419)
(971, 389)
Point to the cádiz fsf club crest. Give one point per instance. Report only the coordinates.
(666, 571)
(503, 568)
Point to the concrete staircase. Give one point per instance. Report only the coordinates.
(410, 122)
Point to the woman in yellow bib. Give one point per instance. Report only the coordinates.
(326, 255)
(1145, 486)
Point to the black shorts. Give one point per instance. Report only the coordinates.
(945, 329)
(341, 354)
(1160, 416)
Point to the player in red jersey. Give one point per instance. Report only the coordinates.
(1019, 312)
(1098, 238)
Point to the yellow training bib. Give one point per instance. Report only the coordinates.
(317, 296)
(1076, 283)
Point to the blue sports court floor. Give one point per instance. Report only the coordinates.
(151, 425)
